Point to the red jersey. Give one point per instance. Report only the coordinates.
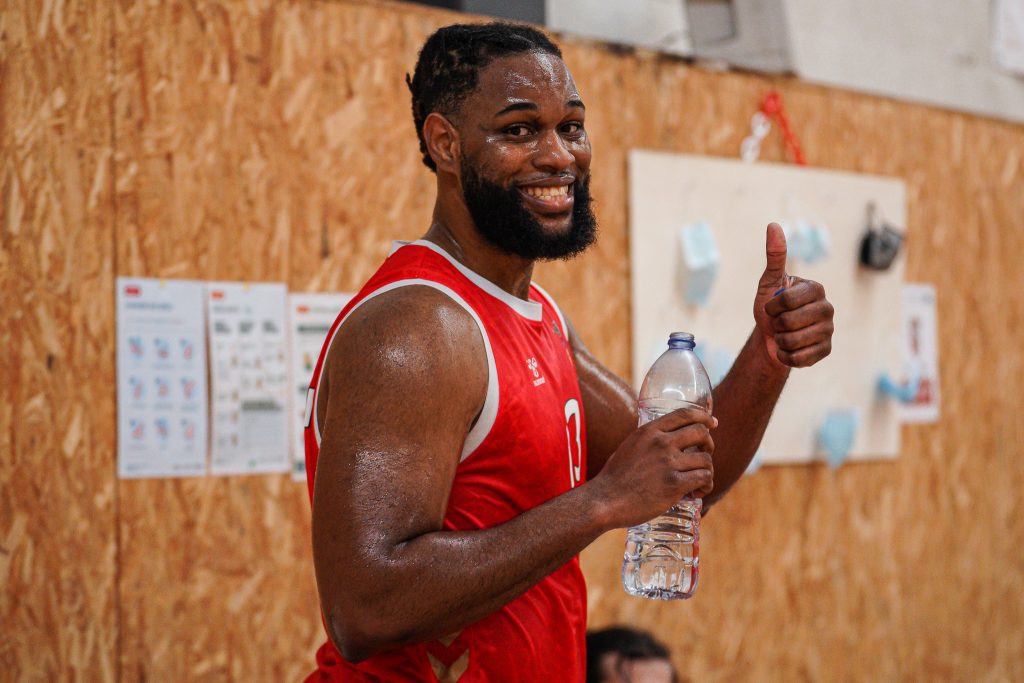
(527, 446)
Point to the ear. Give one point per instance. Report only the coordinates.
(442, 141)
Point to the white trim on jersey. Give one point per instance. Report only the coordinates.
(531, 310)
(488, 413)
(558, 311)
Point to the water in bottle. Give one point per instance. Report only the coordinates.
(661, 559)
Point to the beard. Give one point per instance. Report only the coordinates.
(503, 220)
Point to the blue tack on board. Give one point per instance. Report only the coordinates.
(716, 360)
(794, 239)
(721, 362)
(904, 393)
(755, 463)
(817, 244)
(806, 241)
(837, 433)
(698, 263)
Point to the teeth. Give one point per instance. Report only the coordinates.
(548, 192)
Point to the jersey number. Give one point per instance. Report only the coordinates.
(572, 435)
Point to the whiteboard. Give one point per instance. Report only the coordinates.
(738, 200)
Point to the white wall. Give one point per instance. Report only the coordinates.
(656, 24)
(936, 52)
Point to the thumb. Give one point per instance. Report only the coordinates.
(775, 251)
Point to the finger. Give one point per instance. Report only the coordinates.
(806, 356)
(692, 437)
(808, 336)
(695, 479)
(775, 259)
(801, 293)
(682, 417)
(693, 460)
(805, 316)
(704, 491)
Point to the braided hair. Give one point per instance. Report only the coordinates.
(451, 59)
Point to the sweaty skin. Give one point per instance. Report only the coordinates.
(399, 393)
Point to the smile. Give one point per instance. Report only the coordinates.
(548, 198)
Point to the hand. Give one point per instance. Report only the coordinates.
(796, 324)
(658, 464)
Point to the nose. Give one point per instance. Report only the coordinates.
(552, 153)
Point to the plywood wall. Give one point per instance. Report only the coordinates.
(271, 141)
(58, 497)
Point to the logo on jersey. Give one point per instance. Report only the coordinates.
(538, 379)
(572, 436)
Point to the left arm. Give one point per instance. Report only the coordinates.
(793, 328)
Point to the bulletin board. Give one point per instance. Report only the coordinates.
(737, 200)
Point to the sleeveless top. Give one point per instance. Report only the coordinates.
(527, 446)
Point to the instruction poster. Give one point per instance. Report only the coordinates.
(161, 378)
(249, 377)
(921, 353)
(310, 319)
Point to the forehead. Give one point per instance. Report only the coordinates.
(532, 76)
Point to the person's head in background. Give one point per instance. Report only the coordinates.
(626, 655)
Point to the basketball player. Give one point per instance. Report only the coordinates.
(463, 446)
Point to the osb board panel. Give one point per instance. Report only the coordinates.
(260, 141)
(57, 531)
(216, 578)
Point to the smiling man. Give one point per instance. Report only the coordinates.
(462, 444)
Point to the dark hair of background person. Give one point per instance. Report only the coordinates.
(627, 643)
(448, 64)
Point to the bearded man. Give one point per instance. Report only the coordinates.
(462, 444)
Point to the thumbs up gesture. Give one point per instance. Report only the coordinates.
(792, 314)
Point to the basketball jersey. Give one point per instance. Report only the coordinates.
(527, 446)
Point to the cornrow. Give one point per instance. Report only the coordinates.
(449, 62)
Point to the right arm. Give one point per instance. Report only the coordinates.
(401, 394)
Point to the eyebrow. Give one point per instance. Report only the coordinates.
(532, 106)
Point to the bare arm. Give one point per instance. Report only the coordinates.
(743, 404)
(406, 377)
(793, 328)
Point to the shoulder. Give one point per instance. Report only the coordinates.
(417, 332)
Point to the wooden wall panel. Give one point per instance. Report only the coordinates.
(272, 141)
(57, 495)
(216, 579)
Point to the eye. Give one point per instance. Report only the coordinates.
(572, 128)
(518, 130)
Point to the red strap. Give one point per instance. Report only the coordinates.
(772, 107)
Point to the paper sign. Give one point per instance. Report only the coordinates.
(249, 377)
(161, 378)
(921, 353)
(310, 317)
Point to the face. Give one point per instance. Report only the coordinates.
(525, 168)
(617, 670)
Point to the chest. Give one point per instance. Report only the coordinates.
(537, 445)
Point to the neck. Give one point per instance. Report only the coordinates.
(453, 229)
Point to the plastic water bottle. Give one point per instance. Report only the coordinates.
(661, 559)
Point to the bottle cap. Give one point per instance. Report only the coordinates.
(681, 340)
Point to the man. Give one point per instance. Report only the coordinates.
(462, 444)
(625, 655)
